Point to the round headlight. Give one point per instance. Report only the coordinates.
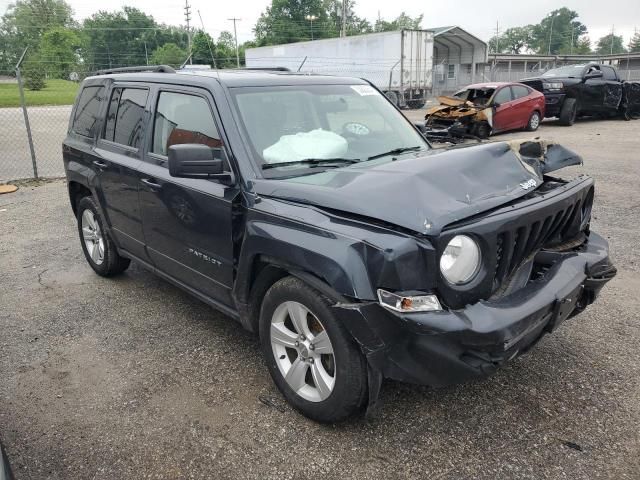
(460, 260)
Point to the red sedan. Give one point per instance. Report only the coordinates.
(484, 109)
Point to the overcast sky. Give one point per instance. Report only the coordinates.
(477, 17)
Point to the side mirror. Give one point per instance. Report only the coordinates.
(496, 104)
(594, 74)
(194, 160)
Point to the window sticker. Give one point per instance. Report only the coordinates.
(363, 90)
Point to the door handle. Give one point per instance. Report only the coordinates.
(100, 165)
(152, 185)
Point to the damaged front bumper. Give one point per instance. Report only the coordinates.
(448, 347)
(553, 104)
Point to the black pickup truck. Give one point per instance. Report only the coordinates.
(585, 90)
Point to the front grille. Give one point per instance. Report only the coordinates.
(516, 244)
(535, 84)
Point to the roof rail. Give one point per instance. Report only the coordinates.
(265, 69)
(142, 68)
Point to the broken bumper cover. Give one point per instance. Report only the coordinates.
(553, 104)
(448, 347)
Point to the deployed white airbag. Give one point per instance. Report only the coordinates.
(317, 143)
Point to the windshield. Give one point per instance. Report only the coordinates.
(477, 96)
(298, 130)
(568, 71)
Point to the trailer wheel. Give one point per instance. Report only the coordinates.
(416, 104)
(393, 97)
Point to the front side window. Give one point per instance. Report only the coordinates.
(183, 118)
(125, 116)
(87, 110)
(609, 73)
(503, 96)
(298, 130)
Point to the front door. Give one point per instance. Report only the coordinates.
(115, 159)
(187, 222)
(503, 116)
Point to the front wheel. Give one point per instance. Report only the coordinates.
(568, 112)
(312, 359)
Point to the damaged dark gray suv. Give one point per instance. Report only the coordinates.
(310, 210)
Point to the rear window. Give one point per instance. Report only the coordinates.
(86, 115)
(125, 116)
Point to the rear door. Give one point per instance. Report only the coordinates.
(116, 159)
(187, 222)
(504, 116)
(613, 88)
(522, 105)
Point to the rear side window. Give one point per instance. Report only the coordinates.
(183, 118)
(519, 91)
(503, 95)
(125, 116)
(86, 115)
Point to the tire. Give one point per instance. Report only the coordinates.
(534, 122)
(569, 112)
(343, 372)
(482, 130)
(98, 248)
(393, 97)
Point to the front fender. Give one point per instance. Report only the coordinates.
(353, 258)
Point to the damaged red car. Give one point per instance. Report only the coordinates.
(485, 109)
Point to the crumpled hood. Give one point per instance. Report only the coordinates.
(427, 191)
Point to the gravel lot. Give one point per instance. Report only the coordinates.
(132, 378)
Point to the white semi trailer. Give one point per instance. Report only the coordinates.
(398, 63)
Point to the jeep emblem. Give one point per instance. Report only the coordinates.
(529, 184)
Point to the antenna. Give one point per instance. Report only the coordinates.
(213, 59)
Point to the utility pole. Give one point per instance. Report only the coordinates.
(550, 34)
(235, 35)
(612, 37)
(311, 18)
(343, 30)
(497, 38)
(571, 50)
(187, 16)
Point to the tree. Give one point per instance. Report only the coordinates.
(126, 37)
(558, 32)
(202, 47)
(513, 40)
(226, 50)
(284, 21)
(403, 21)
(354, 24)
(60, 50)
(582, 46)
(634, 43)
(169, 54)
(34, 75)
(24, 23)
(610, 44)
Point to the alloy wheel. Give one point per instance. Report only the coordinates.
(303, 351)
(92, 237)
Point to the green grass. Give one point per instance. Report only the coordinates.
(57, 92)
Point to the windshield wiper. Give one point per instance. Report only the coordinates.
(395, 151)
(312, 162)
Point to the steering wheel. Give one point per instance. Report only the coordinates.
(355, 129)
